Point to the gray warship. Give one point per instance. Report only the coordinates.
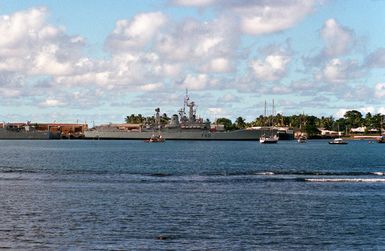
(183, 126)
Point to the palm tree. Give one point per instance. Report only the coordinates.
(240, 123)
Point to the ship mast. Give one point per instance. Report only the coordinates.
(157, 118)
(190, 105)
(265, 109)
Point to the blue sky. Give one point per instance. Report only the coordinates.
(100, 60)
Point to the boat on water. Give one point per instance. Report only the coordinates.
(185, 125)
(338, 141)
(381, 139)
(272, 139)
(155, 139)
(302, 139)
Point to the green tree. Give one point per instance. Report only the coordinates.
(164, 119)
(135, 119)
(310, 126)
(226, 122)
(130, 119)
(340, 125)
(326, 122)
(377, 121)
(295, 121)
(240, 123)
(353, 119)
(368, 121)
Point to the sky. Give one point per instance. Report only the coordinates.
(97, 61)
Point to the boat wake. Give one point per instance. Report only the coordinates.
(347, 180)
(125, 175)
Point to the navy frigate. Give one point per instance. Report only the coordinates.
(182, 126)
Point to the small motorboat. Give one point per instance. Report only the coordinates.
(268, 139)
(338, 141)
(381, 139)
(155, 139)
(302, 139)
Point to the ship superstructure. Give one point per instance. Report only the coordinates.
(187, 120)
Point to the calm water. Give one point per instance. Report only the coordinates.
(184, 195)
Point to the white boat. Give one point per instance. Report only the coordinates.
(268, 139)
(338, 141)
(155, 139)
(271, 138)
(302, 139)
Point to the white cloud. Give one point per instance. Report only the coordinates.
(195, 42)
(171, 70)
(337, 71)
(152, 87)
(280, 89)
(273, 67)
(258, 17)
(51, 102)
(14, 29)
(207, 44)
(191, 47)
(229, 98)
(136, 33)
(218, 65)
(338, 39)
(217, 112)
(365, 110)
(380, 90)
(198, 82)
(376, 58)
(341, 112)
(9, 93)
(46, 62)
(358, 92)
(263, 17)
(381, 110)
(30, 46)
(194, 3)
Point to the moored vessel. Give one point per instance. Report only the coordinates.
(302, 139)
(183, 126)
(273, 139)
(155, 139)
(338, 141)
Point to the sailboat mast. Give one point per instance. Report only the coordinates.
(265, 109)
(272, 115)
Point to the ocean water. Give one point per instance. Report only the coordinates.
(191, 195)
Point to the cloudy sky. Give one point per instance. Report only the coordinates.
(100, 60)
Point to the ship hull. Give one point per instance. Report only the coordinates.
(246, 134)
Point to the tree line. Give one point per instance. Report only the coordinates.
(311, 124)
(140, 119)
(306, 123)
